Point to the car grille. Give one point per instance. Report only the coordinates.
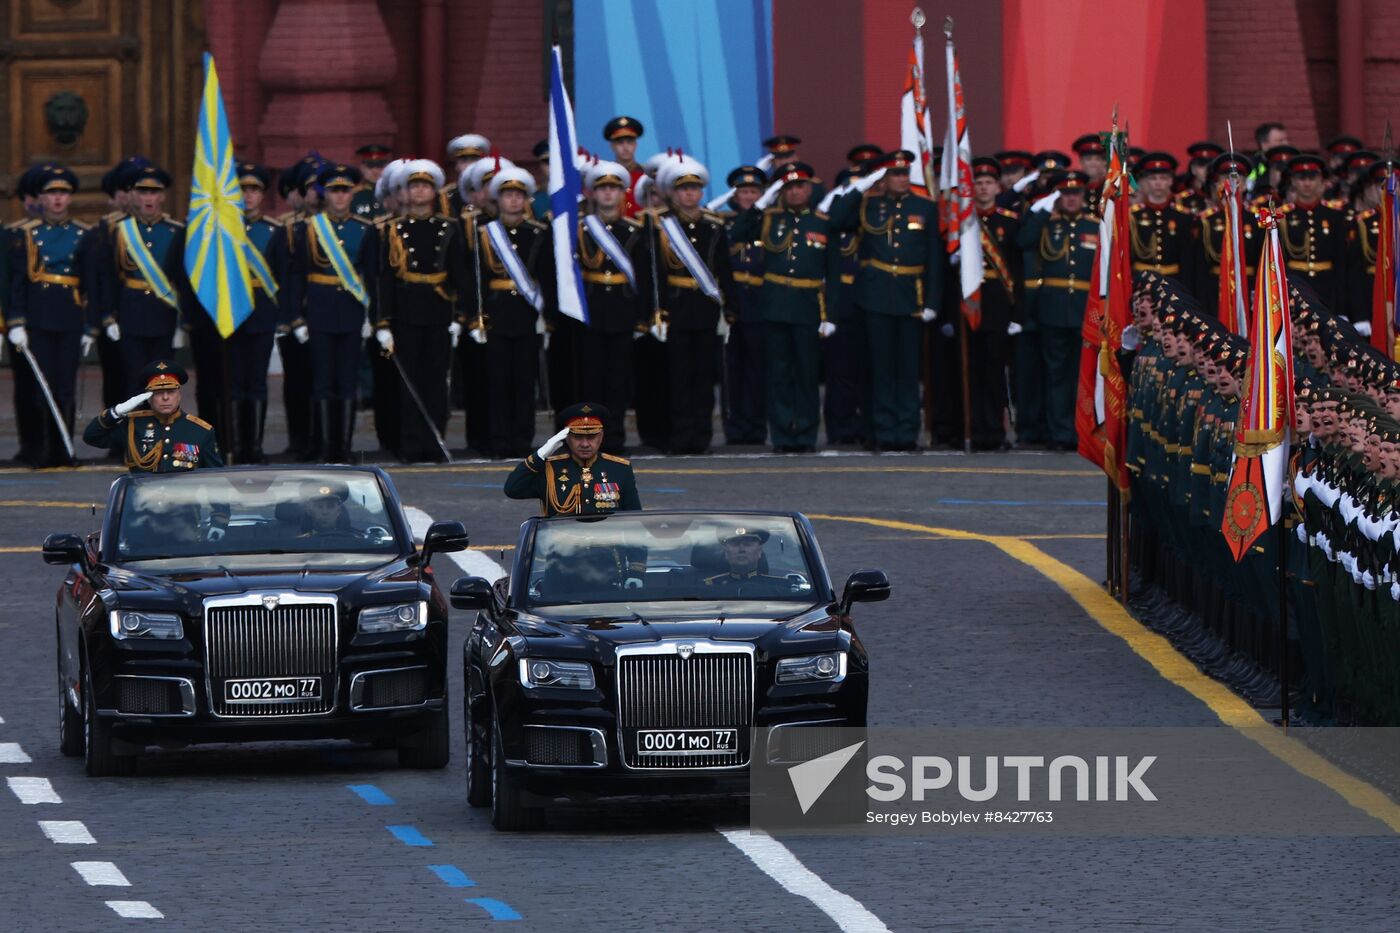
(288, 641)
(707, 690)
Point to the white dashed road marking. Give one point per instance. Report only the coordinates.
(473, 563)
(12, 754)
(67, 832)
(33, 790)
(140, 910)
(102, 873)
(777, 862)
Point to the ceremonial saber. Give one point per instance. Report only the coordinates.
(48, 397)
(418, 401)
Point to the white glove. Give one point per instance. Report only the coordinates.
(946, 330)
(114, 333)
(478, 335)
(928, 315)
(638, 334)
(178, 341)
(553, 444)
(1025, 182)
(385, 338)
(719, 202)
(769, 196)
(454, 330)
(19, 337)
(1362, 327)
(215, 533)
(765, 163)
(826, 329)
(658, 331)
(301, 333)
(722, 327)
(1013, 329)
(869, 181)
(1046, 204)
(831, 196)
(88, 343)
(365, 330)
(130, 405)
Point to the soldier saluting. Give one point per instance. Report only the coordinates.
(160, 438)
(581, 481)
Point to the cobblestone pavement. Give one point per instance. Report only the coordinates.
(265, 837)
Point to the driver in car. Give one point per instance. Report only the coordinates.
(173, 527)
(743, 551)
(325, 514)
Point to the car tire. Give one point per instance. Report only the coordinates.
(478, 761)
(98, 756)
(70, 725)
(508, 811)
(430, 748)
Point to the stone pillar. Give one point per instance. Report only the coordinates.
(324, 68)
(432, 37)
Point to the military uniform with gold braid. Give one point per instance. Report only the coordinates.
(1161, 233)
(1210, 236)
(155, 443)
(989, 346)
(1314, 238)
(746, 363)
(1363, 240)
(566, 486)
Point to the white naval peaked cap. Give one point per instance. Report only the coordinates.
(391, 179)
(678, 170)
(468, 144)
(641, 189)
(512, 177)
(653, 165)
(611, 171)
(422, 170)
(475, 177)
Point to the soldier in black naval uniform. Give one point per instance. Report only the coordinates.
(616, 274)
(27, 414)
(745, 579)
(746, 364)
(693, 299)
(516, 290)
(333, 282)
(1314, 237)
(582, 481)
(423, 281)
(989, 346)
(159, 438)
(1161, 234)
(48, 311)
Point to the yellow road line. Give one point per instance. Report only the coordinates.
(1158, 651)
(47, 504)
(20, 550)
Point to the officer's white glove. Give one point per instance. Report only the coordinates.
(946, 330)
(19, 337)
(719, 202)
(1362, 327)
(826, 329)
(385, 338)
(365, 330)
(454, 330)
(1046, 204)
(722, 327)
(769, 196)
(215, 533)
(478, 335)
(928, 315)
(658, 331)
(88, 343)
(1025, 182)
(765, 163)
(1013, 329)
(869, 181)
(553, 444)
(114, 333)
(831, 196)
(178, 341)
(301, 333)
(130, 405)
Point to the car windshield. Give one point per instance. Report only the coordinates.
(659, 557)
(247, 512)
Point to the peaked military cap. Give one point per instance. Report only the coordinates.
(583, 418)
(747, 175)
(163, 374)
(56, 178)
(149, 177)
(623, 128)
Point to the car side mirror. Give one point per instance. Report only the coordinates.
(444, 538)
(865, 586)
(472, 593)
(64, 549)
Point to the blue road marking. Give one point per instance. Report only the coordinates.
(499, 910)
(371, 794)
(1097, 503)
(452, 876)
(409, 835)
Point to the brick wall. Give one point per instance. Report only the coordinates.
(496, 73)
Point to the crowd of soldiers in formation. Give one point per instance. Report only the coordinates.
(1341, 511)
(388, 285)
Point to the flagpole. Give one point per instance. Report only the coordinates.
(1283, 679)
(1111, 539)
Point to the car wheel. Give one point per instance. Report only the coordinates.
(98, 756)
(478, 760)
(431, 748)
(508, 812)
(70, 724)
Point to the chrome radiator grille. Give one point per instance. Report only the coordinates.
(297, 640)
(707, 690)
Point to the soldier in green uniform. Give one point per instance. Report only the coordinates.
(1161, 233)
(1066, 240)
(161, 438)
(898, 289)
(743, 552)
(799, 276)
(745, 362)
(583, 481)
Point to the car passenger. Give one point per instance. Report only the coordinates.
(325, 514)
(743, 552)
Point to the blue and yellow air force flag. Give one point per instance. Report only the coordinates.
(216, 243)
(565, 186)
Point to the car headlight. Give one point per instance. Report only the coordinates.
(536, 672)
(815, 668)
(404, 617)
(130, 623)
